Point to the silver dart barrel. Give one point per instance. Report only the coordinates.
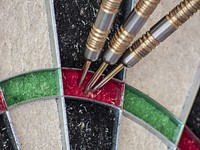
(101, 28)
(160, 31)
(127, 32)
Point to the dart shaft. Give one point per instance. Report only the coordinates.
(101, 28)
(123, 38)
(160, 31)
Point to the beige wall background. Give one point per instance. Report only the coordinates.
(166, 74)
(25, 46)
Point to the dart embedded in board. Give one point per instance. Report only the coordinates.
(99, 32)
(157, 34)
(123, 38)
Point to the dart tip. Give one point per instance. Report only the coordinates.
(95, 89)
(84, 72)
(81, 82)
(86, 90)
(108, 77)
(97, 74)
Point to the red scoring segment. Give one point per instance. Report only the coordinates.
(189, 141)
(3, 106)
(111, 93)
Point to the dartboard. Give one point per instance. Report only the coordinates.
(153, 106)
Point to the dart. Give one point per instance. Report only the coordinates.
(99, 33)
(157, 34)
(123, 38)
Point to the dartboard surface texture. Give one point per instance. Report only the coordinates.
(153, 106)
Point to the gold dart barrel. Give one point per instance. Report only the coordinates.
(123, 38)
(160, 31)
(101, 28)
